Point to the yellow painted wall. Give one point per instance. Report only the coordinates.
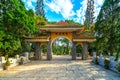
(77, 43)
(67, 35)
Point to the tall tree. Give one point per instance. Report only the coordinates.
(89, 18)
(89, 15)
(107, 25)
(16, 23)
(40, 8)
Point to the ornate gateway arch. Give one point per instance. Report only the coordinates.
(50, 32)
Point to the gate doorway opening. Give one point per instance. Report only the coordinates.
(79, 51)
(61, 46)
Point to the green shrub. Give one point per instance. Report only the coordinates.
(21, 59)
(118, 67)
(42, 23)
(7, 63)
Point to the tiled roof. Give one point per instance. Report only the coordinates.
(62, 23)
(83, 36)
(37, 39)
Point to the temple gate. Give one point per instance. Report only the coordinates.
(50, 32)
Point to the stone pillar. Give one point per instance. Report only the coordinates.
(94, 54)
(2, 59)
(17, 57)
(73, 51)
(49, 56)
(84, 51)
(27, 55)
(111, 58)
(74, 48)
(38, 55)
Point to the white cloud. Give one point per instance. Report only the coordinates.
(98, 2)
(81, 12)
(29, 0)
(64, 7)
(29, 5)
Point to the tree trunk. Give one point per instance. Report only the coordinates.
(64, 51)
(111, 50)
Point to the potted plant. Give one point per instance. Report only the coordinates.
(7, 65)
(106, 63)
(21, 61)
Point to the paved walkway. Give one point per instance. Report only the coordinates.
(60, 68)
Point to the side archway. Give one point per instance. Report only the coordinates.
(79, 50)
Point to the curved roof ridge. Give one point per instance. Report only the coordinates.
(62, 23)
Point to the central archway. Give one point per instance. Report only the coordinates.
(61, 45)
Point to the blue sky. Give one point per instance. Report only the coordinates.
(56, 10)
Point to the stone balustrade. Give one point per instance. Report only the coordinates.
(112, 65)
(101, 60)
(1, 68)
(15, 60)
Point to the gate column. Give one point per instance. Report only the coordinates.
(84, 51)
(38, 55)
(73, 51)
(49, 56)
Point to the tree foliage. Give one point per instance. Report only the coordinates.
(40, 8)
(89, 15)
(107, 27)
(72, 22)
(16, 23)
(61, 46)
